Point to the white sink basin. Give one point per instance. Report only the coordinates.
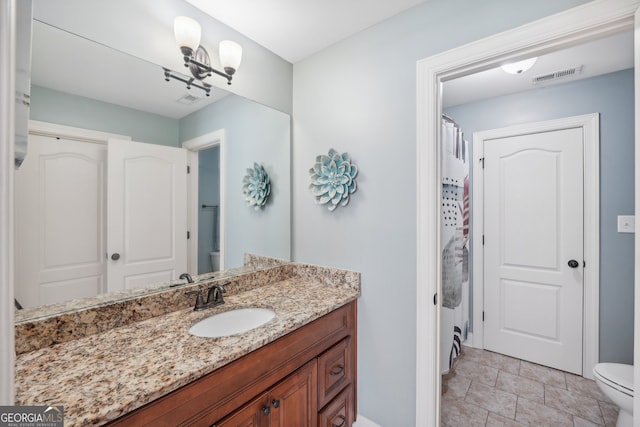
(231, 322)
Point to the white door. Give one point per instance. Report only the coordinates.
(147, 209)
(60, 221)
(533, 247)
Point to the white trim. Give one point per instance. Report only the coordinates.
(589, 123)
(7, 141)
(195, 145)
(589, 21)
(636, 263)
(69, 132)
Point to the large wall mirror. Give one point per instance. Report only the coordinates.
(78, 83)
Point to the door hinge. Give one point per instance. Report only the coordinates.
(483, 240)
(483, 316)
(188, 235)
(188, 169)
(435, 299)
(482, 162)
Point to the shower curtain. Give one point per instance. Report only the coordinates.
(455, 242)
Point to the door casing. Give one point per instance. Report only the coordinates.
(592, 20)
(202, 142)
(589, 123)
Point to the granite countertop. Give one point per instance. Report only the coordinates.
(101, 377)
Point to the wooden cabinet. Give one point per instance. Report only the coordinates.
(294, 400)
(305, 378)
(340, 412)
(253, 414)
(291, 403)
(335, 371)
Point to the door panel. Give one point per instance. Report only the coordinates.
(60, 221)
(294, 400)
(62, 218)
(147, 206)
(533, 214)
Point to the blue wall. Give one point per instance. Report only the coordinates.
(254, 133)
(611, 95)
(359, 96)
(52, 106)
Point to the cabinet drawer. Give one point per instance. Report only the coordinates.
(340, 412)
(335, 371)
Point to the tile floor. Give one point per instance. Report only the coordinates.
(490, 389)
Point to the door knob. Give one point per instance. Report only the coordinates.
(115, 256)
(573, 263)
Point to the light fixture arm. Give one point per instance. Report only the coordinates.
(190, 60)
(187, 32)
(189, 81)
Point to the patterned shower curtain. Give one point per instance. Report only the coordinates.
(455, 242)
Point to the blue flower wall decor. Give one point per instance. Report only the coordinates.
(333, 179)
(256, 186)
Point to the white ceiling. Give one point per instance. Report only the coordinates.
(296, 29)
(602, 56)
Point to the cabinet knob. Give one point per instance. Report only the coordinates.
(336, 370)
(115, 256)
(343, 420)
(573, 263)
(266, 409)
(276, 403)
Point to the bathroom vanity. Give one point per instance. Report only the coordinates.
(297, 369)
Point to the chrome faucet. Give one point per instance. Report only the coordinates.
(214, 297)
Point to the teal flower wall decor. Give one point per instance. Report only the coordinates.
(333, 179)
(256, 186)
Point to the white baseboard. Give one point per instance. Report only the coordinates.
(364, 422)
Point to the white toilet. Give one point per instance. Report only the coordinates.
(616, 382)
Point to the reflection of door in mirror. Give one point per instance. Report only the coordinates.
(96, 218)
(209, 210)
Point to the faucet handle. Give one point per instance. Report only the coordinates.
(199, 299)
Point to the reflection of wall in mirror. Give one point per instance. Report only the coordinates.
(62, 108)
(208, 204)
(253, 132)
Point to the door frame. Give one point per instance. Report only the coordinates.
(55, 130)
(194, 145)
(590, 125)
(592, 20)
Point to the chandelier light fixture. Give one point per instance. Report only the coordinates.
(187, 32)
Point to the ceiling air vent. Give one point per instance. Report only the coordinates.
(556, 75)
(188, 99)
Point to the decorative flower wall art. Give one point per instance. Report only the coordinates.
(333, 179)
(256, 186)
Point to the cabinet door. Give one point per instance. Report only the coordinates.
(340, 412)
(335, 371)
(253, 414)
(294, 400)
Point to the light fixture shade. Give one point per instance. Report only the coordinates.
(230, 55)
(187, 32)
(520, 66)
